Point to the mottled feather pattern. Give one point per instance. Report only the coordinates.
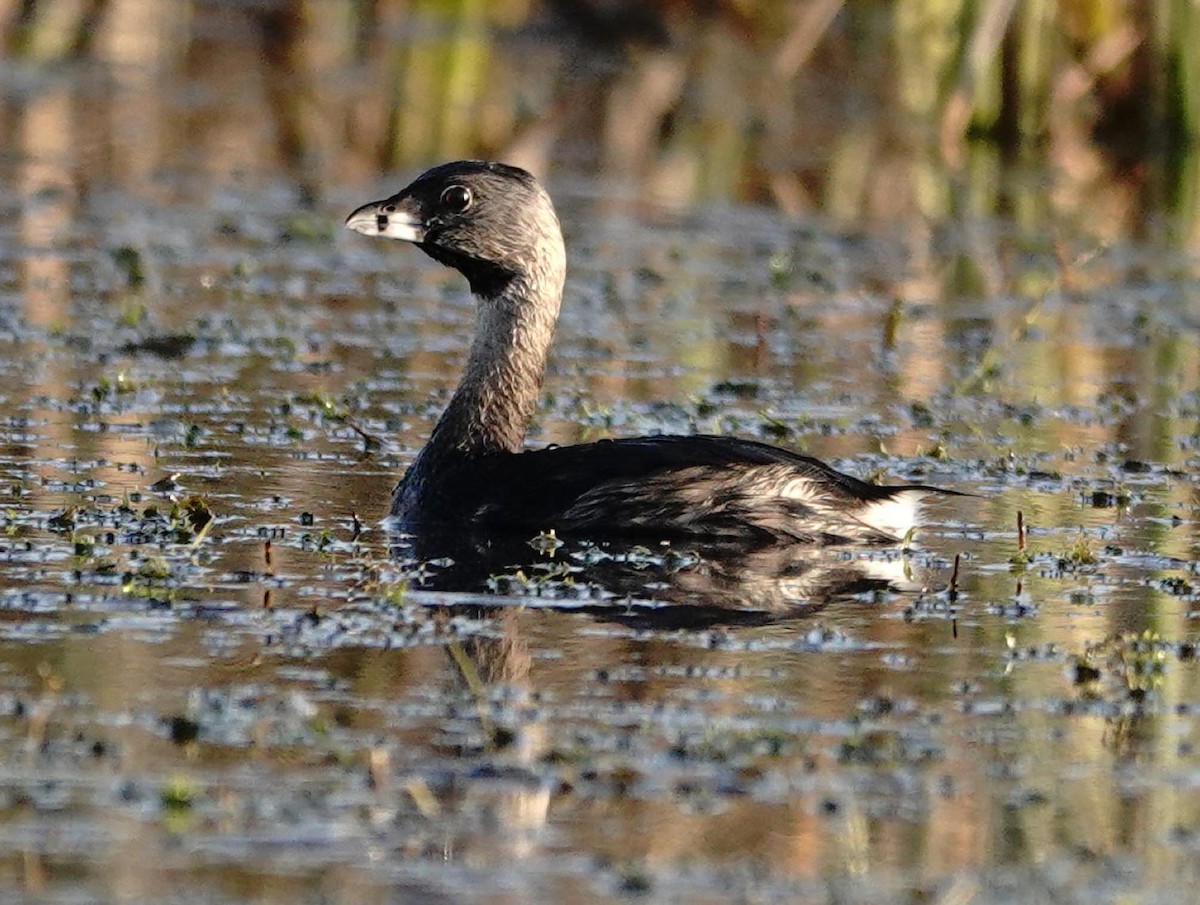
(765, 500)
(653, 487)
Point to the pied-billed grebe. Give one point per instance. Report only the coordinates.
(496, 225)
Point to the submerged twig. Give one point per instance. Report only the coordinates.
(1063, 280)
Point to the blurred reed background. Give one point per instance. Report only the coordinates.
(867, 111)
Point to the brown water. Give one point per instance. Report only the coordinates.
(272, 708)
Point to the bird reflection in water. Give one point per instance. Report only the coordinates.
(678, 585)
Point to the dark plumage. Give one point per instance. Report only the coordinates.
(497, 226)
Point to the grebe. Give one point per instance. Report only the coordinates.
(496, 225)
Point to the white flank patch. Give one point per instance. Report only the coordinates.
(896, 516)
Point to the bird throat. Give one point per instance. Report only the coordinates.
(487, 279)
(495, 400)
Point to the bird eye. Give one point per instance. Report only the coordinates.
(388, 209)
(457, 198)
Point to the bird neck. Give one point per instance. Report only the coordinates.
(495, 400)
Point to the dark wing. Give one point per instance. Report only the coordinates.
(576, 469)
(692, 485)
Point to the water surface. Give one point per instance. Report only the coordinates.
(218, 683)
